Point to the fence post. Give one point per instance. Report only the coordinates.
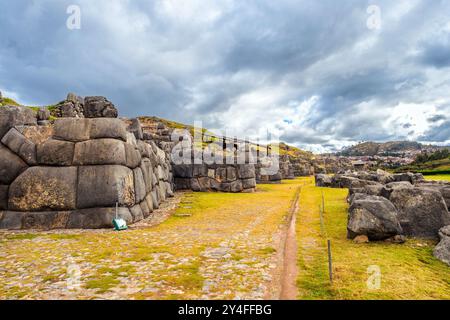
(330, 262)
(323, 202)
(322, 227)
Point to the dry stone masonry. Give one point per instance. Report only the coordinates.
(72, 174)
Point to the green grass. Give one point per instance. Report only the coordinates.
(435, 167)
(439, 177)
(408, 271)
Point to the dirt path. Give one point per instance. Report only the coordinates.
(289, 289)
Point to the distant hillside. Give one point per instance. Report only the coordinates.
(391, 148)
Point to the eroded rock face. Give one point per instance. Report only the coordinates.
(372, 216)
(442, 250)
(421, 212)
(44, 188)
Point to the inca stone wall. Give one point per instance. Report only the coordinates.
(215, 177)
(72, 174)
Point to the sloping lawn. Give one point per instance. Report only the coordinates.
(408, 271)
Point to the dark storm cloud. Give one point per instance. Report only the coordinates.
(437, 133)
(436, 118)
(243, 62)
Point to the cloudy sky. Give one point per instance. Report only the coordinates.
(321, 74)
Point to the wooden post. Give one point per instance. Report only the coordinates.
(323, 202)
(322, 228)
(330, 262)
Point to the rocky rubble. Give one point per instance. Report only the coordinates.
(383, 205)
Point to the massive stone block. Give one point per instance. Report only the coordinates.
(72, 129)
(11, 116)
(20, 145)
(100, 151)
(96, 218)
(45, 220)
(136, 128)
(3, 197)
(80, 129)
(99, 107)
(231, 174)
(183, 171)
(136, 213)
(372, 216)
(133, 156)
(103, 186)
(11, 165)
(55, 153)
(249, 183)
(44, 188)
(421, 212)
(108, 128)
(148, 174)
(139, 185)
(11, 220)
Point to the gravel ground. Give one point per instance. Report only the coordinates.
(198, 246)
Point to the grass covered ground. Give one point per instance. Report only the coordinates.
(440, 177)
(408, 271)
(215, 245)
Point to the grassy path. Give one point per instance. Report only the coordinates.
(215, 245)
(407, 271)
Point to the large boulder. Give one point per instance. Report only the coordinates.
(100, 152)
(55, 153)
(20, 145)
(246, 171)
(384, 177)
(99, 107)
(44, 188)
(11, 165)
(43, 114)
(374, 217)
(442, 186)
(104, 186)
(421, 212)
(323, 180)
(11, 116)
(442, 250)
(388, 188)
